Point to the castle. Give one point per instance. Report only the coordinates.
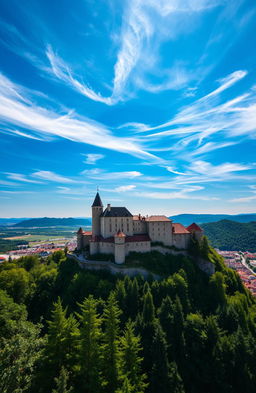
(116, 231)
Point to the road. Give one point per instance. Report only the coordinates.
(245, 264)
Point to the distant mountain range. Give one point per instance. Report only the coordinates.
(11, 221)
(231, 236)
(53, 222)
(185, 219)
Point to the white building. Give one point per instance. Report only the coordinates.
(116, 231)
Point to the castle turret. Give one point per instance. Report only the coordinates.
(196, 231)
(119, 247)
(97, 209)
(79, 239)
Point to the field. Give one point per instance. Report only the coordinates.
(11, 238)
(33, 238)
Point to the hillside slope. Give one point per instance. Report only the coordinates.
(230, 235)
(187, 219)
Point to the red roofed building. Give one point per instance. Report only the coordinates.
(83, 238)
(116, 231)
(196, 230)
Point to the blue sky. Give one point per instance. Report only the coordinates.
(154, 101)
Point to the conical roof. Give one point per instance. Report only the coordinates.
(120, 234)
(194, 227)
(97, 201)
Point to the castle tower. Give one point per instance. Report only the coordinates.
(119, 247)
(196, 231)
(97, 209)
(79, 239)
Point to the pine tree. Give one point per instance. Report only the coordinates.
(217, 290)
(146, 287)
(134, 298)
(163, 378)
(61, 382)
(111, 346)
(165, 314)
(120, 293)
(89, 352)
(178, 340)
(56, 334)
(148, 313)
(62, 339)
(126, 387)
(130, 359)
(145, 327)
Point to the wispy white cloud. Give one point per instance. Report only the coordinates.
(206, 168)
(91, 158)
(125, 188)
(100, 174)
(53, 177)
(23, 134)
(248, 198)
(7, 183)
(170, 169)
(145, 26)
(16, 192)
(17, 110)
(225, 83)
(64, 73)
(184, 194)
(141, 21)
(21, 178)
(244, 199)
(196, 117)
(194, 128)
(204, 172)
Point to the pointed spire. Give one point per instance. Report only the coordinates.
(97, 201)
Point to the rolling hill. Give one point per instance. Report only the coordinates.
(53, 222)
(187, 219)
(229, 235)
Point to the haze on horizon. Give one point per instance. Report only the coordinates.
(152, 101)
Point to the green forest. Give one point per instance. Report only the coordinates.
(64, 329)
(231, 236)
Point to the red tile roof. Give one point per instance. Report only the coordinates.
(158, 218)
(85, 233)
(179, 228)
(120, 234)
(194, 227)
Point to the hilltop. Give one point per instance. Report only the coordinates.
(187, 219)
(230, 235)
(53, 222)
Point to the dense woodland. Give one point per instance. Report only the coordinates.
(64, 329)
(230, 235)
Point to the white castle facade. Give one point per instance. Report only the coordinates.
(116, 231)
